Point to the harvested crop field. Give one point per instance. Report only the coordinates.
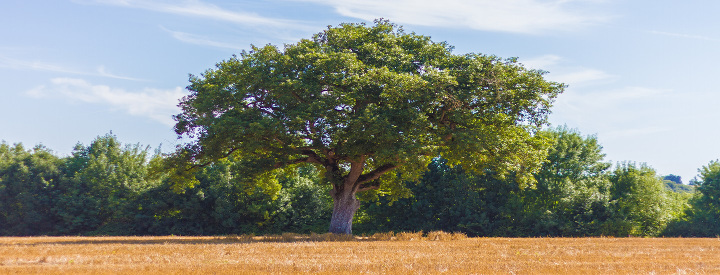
(293, 254)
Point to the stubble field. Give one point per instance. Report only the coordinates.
(290, 254)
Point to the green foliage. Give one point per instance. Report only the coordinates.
(27, 180)
(219, 205)
(679, 205)
(369, 106)
(214, 205)
(674, 178)
(710, 189)
(106, 188)
(102, 180)
(576, 195)
(571, 196)
(304, 203)
(370, 97)
(639, 201)
(703, 214)
(678, 187)
(445, 198)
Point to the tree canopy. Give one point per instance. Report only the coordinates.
(370, 106)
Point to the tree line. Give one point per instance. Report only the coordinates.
(109, 188)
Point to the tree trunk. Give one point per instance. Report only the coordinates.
(345, 204)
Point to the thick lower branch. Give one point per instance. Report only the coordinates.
(372, 185)
(314, 158)
(375, 174)
(356, 169)
(295, 161)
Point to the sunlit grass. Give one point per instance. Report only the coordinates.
(408, 252)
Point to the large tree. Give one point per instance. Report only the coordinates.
(368, 105)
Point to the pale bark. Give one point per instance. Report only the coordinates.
(345, 204)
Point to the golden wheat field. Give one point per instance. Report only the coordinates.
(327, 254)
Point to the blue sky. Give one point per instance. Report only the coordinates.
(641, 73)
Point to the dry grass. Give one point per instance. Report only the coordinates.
(328, 254)
(386, 236)
(444, 236)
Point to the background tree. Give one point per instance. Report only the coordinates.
(305, 204)
(217, 206)
(448, 199)
(102, 182)
(27, 190)
(572, 191)
(703, 215)
(575, 195)
(369, 107)
(571, 197)
(674, 178)
(675, 183)
(639, 202)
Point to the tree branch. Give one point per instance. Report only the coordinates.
(313, 157)
(368, 186)
(295, 161)
(207, 163)
(296, 96)
(356, 169)
(375, 174)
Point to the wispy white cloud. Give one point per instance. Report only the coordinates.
(101, 71)
(636, 132)
(156, 104)
(631, 93)
(572, 75)
(581, 76)
(200, 40)
(608, 101)
(200, 9)
(260, 26)
(689, 36)
(17, 64)
(615, 114)
(517, 16)
(541, 62)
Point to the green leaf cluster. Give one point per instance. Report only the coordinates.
(27, 182)
(373, 97)
(577, 193)
(108, 188)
